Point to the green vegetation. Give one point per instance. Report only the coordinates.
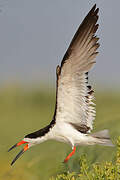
(96, 171)
(25, 111)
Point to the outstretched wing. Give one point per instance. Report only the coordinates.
(74, 96)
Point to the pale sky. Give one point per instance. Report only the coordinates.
(34, 35)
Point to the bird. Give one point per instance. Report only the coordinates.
(75, 111)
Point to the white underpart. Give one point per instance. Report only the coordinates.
(66, 133)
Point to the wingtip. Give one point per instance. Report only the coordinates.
(97, 10)
(93, 12)
(93, 8)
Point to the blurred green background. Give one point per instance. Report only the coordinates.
(23, 111)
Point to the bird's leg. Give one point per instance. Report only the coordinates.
(68, 157)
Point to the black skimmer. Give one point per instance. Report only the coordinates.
(74, 110)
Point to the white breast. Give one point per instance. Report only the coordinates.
(65, 132)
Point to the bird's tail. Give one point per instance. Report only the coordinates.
(102, 138)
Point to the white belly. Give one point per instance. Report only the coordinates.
(66, 133)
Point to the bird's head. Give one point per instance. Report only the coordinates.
(26, 147)
(30, 140)
(29, 143)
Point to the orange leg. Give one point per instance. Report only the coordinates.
(68, 157)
